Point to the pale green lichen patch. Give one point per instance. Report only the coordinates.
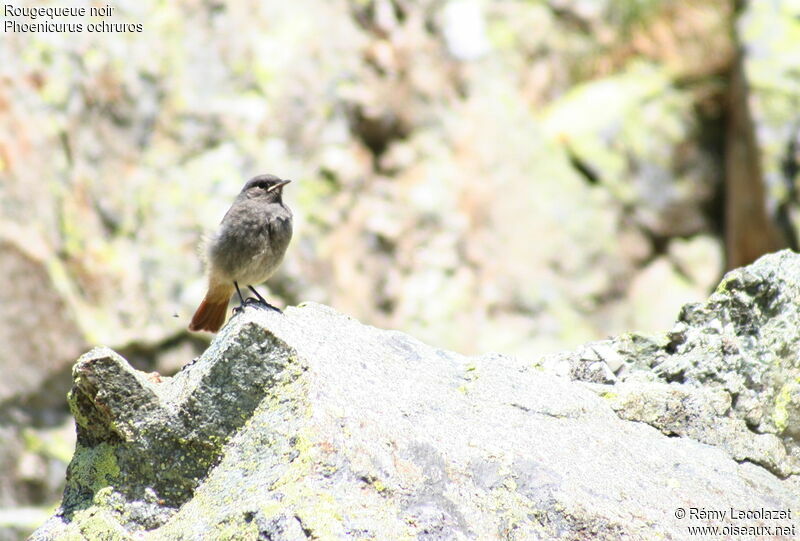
(96, 524)
(786, 399)
(320, 512)
(94, 467)
(317, 508)
(515, 512)
(80, 419)
(379, 486)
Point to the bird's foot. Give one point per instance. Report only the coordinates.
(249, 301)
(262, 302)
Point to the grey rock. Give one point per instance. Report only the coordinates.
(310, 424)
(726, 374)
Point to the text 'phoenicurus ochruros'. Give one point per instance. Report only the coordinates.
(246, 249)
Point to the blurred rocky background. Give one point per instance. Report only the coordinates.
(518, 177)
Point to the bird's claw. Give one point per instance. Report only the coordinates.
(253, 301)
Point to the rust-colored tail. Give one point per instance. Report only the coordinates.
(210, 315)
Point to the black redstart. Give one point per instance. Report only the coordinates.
(246, 248)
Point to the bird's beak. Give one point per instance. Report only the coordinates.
(281, 184)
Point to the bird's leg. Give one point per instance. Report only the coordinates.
(237, 309)
(238, 292)
(258, 295)
(262, 300)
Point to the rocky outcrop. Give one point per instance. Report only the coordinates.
(726, 374)
(310, 425)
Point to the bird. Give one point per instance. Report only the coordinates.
(247, 248)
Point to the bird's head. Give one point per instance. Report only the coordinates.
(267, 187)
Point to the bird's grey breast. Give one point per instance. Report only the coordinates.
(251, 240)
